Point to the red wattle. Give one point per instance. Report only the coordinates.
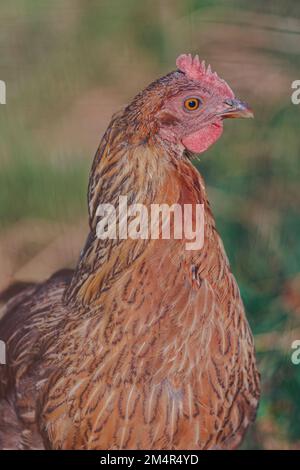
(200, 140)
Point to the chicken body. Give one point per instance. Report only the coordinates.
(146, 345)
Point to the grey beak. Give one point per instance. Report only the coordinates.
(236, 109)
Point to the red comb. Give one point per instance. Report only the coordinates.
(196, 70)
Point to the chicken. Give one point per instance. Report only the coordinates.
(146, 344)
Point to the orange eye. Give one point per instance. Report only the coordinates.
(191, 104)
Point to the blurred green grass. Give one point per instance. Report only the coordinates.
(37, 189)
(52, 53)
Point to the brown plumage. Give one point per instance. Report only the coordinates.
(146, 345)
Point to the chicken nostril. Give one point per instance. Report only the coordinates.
(229, 102)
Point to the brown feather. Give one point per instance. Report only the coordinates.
(147, 344)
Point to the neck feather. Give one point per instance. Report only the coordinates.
(145, 172)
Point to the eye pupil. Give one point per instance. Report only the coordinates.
(192, 103)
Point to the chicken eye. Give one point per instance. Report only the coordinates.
(191, 104)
